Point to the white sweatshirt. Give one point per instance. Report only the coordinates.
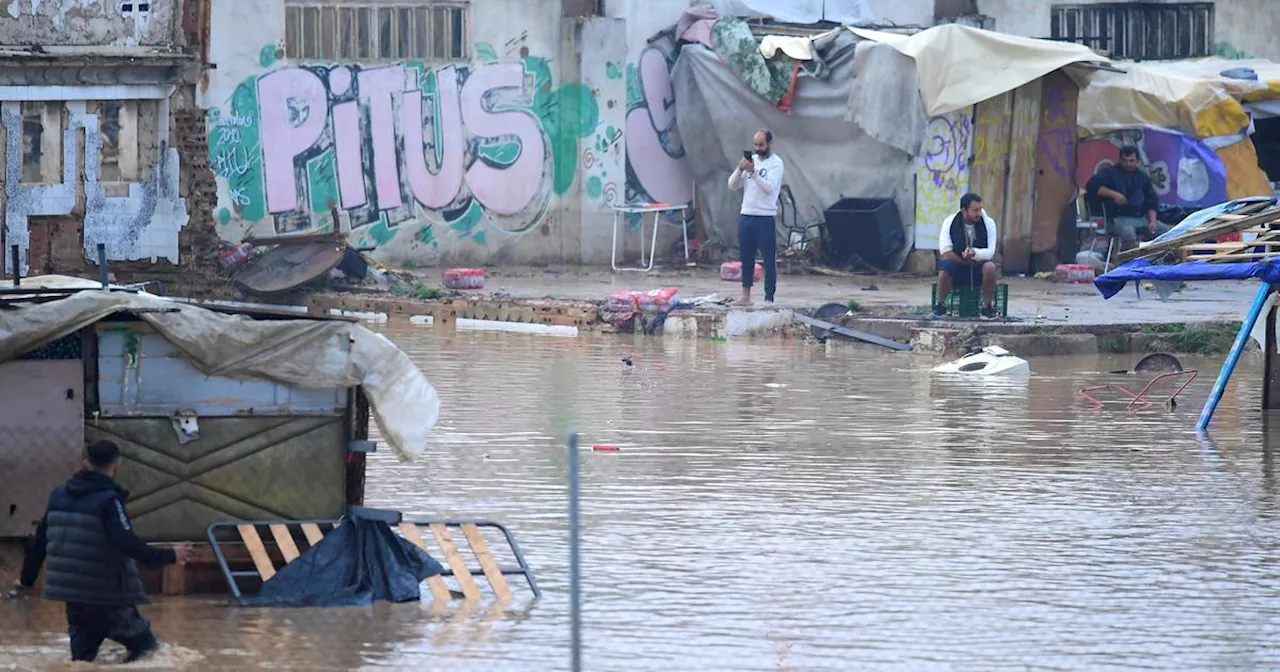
(981, 253)
(760, 192)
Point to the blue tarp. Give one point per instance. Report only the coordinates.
(1138, 270)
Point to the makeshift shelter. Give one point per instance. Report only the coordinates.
(895, 128)
(220, 412)
(1190, 120)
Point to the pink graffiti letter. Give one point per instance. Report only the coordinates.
(434, 190)
(505, 191)
(349, 154)
(292, 107)
(376, 88)
(654, 150)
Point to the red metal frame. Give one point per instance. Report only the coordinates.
(1139, 398)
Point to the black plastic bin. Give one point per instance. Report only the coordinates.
(869, 228)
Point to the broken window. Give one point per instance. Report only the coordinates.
(108, 112)
(350, 30)
(1139, 31)
(42, 125)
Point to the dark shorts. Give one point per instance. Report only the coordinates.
(90, 624)
(962, 274)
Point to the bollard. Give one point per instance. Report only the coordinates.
(575, 589)
(17, 266)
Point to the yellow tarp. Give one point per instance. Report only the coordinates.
(960, 66)
(1189, 96)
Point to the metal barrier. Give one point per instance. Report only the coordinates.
(1140, 397)
(313, 531)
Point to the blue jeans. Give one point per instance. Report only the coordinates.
(758, 233)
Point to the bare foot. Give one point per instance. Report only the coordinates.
(742, 301)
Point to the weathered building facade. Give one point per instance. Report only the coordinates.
(491, 130)
(98, 124)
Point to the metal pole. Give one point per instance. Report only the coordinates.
(103, 273)
(575, 589)
(1233, 357)
(17, 266)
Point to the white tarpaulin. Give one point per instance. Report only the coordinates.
(799, 11)
(312, 354)
(960, 66)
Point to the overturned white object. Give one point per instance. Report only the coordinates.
(992, 360)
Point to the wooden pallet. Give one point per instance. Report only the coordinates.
(1261, 218)
(285, 536)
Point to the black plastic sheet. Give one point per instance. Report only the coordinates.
(358, 563)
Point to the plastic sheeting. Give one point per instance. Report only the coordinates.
(961, 66)
(302, 353)
(1138, 270)
(1189, 96)
(358, 563)
(827, 157)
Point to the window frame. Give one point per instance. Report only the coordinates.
(1141, 31)
(371, 31)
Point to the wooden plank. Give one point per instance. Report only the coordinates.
(1055, 187)
(436, 583)
(284, 541)
(851, 333)
(1238, 256)
(312, 532)
(1015, 228)
(460, 571)
(990, 169)
(1233, 246)
(1212, 229)
(253, 543)
(491, 571)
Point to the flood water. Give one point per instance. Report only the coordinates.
(774, 506)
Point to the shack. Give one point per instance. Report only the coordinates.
(892, 128)
(220, 413)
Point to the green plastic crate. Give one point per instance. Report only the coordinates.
(967, 302)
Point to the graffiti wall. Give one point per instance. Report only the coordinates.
(656, 167)
(942, 174)
(134, 218)
(1183, 170)
(474, 152)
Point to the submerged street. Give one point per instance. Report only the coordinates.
(776, 507)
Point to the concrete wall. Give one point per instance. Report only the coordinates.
(85, 133)
(1245, 25)
(510, 132)
(87, 22)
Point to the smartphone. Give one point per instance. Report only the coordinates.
(746, 154)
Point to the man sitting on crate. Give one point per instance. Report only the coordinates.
(89, 543)
(1127, 199)
(966, 247)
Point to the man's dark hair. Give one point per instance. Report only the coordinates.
(1129, 150)
(968, 200)
(768, 135)
(102, 454)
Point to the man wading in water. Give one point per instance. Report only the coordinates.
(760, 178)
(89, 543)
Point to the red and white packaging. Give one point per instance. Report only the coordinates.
(731, 271)
(464, 278)
(652, 301)
(1073, 273)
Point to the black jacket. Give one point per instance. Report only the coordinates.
(1136, 188)
(88, 541)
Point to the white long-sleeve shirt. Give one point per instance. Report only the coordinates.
(980, 253)
(760, 189)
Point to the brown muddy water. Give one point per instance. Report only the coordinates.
(776, 507)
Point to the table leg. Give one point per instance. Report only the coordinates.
(613, 257)
(653, 246)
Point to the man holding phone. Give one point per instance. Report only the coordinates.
(759, 175)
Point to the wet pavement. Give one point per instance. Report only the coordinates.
(774, 507)
(1031, 301)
